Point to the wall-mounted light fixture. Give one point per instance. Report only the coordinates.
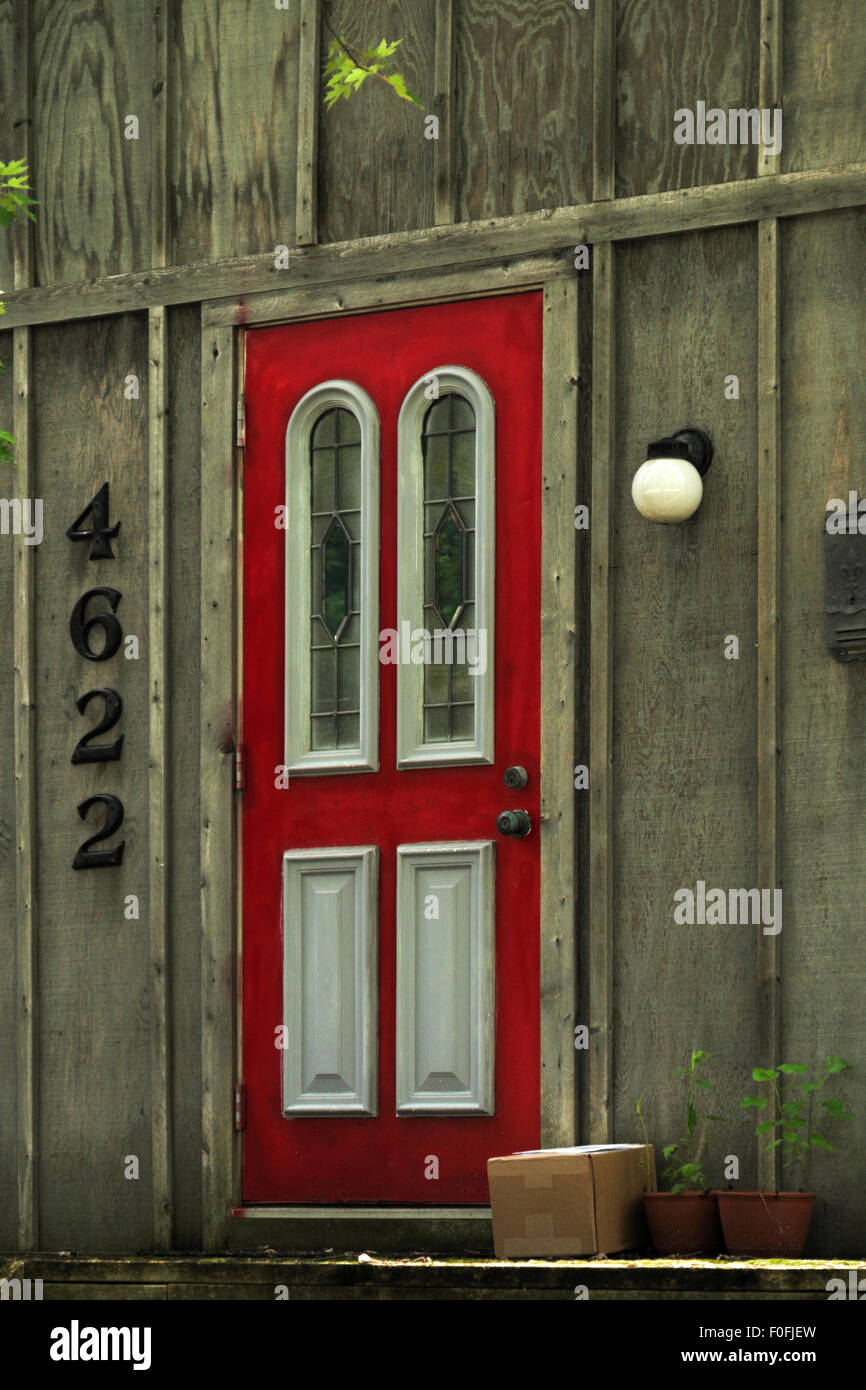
(668, 486)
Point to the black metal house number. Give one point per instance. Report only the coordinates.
(82, 630)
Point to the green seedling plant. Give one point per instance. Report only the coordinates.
(14, 198)
(683, 1171)
(793, 1104)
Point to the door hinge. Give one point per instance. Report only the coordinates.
(240, 766)
(240, 1107)
(242, 422)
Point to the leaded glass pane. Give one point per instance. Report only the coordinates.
(335, 554)
(448, 444)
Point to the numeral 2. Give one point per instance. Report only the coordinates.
(87, 858)
(85, 752)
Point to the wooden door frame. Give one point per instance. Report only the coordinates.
(221, 637)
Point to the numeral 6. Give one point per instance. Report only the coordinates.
(81, 627)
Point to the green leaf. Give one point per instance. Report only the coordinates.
(788, 1067)
(7, 444)
(835, 1064)
(820, 1142)
(719, 1119)
(767, 1126)
(836, 1110)
(397, 81)
(810, 1086)
(707, 1085)
(670, 1149)
(763, 1074)
(759, 1102)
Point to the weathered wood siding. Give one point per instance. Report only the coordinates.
(823, 702)
(683, 715)
(541, 106)
(93, 1035)
(8, 1020)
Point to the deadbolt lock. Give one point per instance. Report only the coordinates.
(515, 777)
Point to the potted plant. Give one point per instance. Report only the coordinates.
(777, 1223)
(685, 1219)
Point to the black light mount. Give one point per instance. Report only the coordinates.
(692, 445)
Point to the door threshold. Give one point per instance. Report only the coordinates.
(446, 1230)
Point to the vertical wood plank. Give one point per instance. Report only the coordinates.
(25, 810)
(92, 68)
(523, 99)
(601, 702)
(22, 228)
(768, 956)
(443, 107)
(768, 858)
(218, 692)
(159, 136)
(603, 99)
(309, 97)
(770, 77)
(558, 663)
(25, 688)
(161, 1069)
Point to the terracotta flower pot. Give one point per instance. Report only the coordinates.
(765, 1223)
(683, 1224)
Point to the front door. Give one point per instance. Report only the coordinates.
(391, 544)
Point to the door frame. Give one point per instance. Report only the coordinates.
(225, 1222)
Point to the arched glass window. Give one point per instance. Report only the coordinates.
(332, 457)
(446, 546)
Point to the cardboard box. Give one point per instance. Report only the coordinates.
(582, 1201)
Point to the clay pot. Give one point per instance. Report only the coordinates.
(683, 1224)
(765, 1223)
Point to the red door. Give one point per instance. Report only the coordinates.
(392, 485)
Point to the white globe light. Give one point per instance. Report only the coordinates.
(667, 489)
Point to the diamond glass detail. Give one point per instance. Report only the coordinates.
(450, 566)
(336, 577)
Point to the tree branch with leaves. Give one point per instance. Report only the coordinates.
(347, 69)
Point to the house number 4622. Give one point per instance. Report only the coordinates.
(83, 628)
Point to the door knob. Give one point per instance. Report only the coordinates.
(515, 777)
(514, 823)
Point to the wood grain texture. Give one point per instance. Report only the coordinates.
(94, 983)
(558, 657)
(538, 233)
(216, 777)
(670, 56)
(524, 106)
(182, 789)
(376, 169)
(445, 109)
(161, 1068)
(601, 792)
(824, 44)
(770, 78)
(8, 894)
(159, 162)
(24, 724)
(769, 691)
(684, 717)
(92, 67)
(309, 101)
(823, 795)
(604, 101)
(233, 102)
